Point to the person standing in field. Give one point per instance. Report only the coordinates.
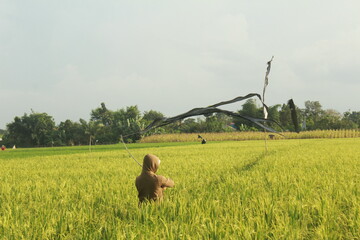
(149, 185)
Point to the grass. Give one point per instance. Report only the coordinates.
(34, 152)
(299, 189)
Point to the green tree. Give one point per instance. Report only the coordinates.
(2, 132)
(352, 117)
(329, 119)
(148, 118)
(212, 124)
(72, 133)
(251, 109)
(102, 115)
(90, 130)
(128, 122)
(35, 129)
(190, 125)
(104, 120)
(274, 112)
(285, 118)
(219, 122)
(313, 112)
(151, 115)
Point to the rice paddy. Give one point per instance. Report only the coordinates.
(298, 189)
(241, 136)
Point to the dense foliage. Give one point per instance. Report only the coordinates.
(106, 126)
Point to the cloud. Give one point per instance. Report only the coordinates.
(65, 58)
(333, 59)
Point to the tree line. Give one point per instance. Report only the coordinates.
(106, 126)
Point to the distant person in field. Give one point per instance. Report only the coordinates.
(3, 147)
(149, 185)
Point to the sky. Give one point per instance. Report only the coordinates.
(66, 57)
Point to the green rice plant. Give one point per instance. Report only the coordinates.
(298, 189)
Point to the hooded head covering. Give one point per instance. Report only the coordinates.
(151, 163)
(149, 185)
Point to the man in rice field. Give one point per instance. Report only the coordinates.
(149, 185)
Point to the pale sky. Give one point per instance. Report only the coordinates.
(66, 57)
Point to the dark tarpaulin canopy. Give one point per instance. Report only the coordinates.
(206, 111)
(294, 115)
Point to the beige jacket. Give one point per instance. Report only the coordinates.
(149, 185)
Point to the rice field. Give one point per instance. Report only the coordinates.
(241, 136)
(298, 189)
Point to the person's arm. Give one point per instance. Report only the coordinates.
(166, 182)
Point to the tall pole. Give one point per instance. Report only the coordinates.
(266, 82)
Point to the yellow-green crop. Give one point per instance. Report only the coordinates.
(299, 189)
(240, 136)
